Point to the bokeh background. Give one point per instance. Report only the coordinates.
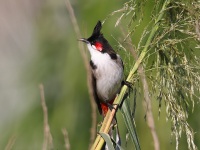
(38, 45)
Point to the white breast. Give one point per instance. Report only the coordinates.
(109, 74)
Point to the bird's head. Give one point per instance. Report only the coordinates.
(97, 40)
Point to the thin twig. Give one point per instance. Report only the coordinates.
(11, 142)
(197, 28)
(48, 140)
(147, 105)
(86, 64)
(66, 138)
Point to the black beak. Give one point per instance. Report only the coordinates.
(84, 40)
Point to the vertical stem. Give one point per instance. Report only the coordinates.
(48, 141)
(86, 63)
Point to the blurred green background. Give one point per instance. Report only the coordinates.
(38, 45)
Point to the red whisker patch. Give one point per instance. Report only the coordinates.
(98, 46)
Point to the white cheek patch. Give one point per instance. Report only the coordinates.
(94, 47)
(93, 50)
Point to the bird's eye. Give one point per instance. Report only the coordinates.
(98, 46)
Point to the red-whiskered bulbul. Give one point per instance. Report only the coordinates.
(107, 69)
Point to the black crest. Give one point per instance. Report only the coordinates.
(97, 29)
(96, 32)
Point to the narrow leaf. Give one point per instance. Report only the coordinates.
(109, 143)
(130, 124)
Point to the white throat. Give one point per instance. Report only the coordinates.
(108, 74)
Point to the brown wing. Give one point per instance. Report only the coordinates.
(97, 100)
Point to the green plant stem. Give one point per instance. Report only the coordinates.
(109, 116)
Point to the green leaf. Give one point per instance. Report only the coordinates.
(109, 143)
(130, 124)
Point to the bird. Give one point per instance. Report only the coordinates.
(107, 70)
